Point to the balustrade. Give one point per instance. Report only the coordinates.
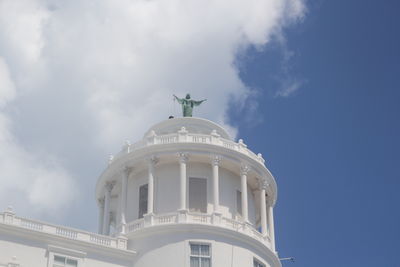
(61, 231)
(191, 138)
(201, 218)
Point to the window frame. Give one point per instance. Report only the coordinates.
(190, 209)
(145, 211)
(71, 254)
(200, 243)
(258, 262)
(239, 213)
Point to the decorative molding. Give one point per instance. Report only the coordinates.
(151, 134)
(183, 131)
(183, 157)
(242, 144)
(244, 169)
(216, 160)
(109, 186)
(152, 160)
(126, 170)
(214, 133)
(101, 202)
(263, 184)
(127, 146)
(66, 251)
(57, 234)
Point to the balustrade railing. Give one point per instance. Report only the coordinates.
(233, 224)
(162, 219)
(166, 218)
(8, 218)
(190, 138)
(101, 240)
(198, 218)
(66, 233)
(30, 224)
(136, 225)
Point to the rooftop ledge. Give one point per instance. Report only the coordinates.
(116, 244)
(184, 217)
(184, 136)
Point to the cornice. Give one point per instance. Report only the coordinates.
(57, 240)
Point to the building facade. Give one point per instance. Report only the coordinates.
(185, 195)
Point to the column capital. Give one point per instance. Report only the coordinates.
(244, 169)
(152, 160)
(110, 158)
(101, 202)
(263, 184)
(109, 186)
(183, 157)
(126, 170)
(216, 160)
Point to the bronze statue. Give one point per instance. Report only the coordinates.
(188, 104)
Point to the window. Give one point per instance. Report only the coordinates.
(198, 194)
(257, 263)
(143, 191)
(61, 261)
(200, 255)
(239, 202)
(64, 257)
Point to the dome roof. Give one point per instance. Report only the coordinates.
(192, 125)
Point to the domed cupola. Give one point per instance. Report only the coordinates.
(187, 178)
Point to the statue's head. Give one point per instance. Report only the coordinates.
(187, 96)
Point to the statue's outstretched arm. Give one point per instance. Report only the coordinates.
(180, 100)
(197, 103)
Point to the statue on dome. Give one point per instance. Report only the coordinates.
(188, 104)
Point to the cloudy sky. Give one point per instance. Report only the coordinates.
(313, 85)
(78, 78)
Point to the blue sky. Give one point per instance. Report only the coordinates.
(333, 145)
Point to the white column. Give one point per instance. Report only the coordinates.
(215, 168)
(107, 196)
(101, 215)
(150, 196)
(124, 193)
(271, 227)
(183, 158)
(263, 207)
(244, 169)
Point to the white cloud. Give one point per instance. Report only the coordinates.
(7, 87)
(27, 182)
(289, 88)
(89, 74)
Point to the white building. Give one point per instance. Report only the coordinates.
(186, 195)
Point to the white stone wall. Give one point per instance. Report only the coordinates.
(173, 249)
(166, 188)
(31, 251)
(166, 197)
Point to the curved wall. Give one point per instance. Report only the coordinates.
(172, 248)
(166, 195)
